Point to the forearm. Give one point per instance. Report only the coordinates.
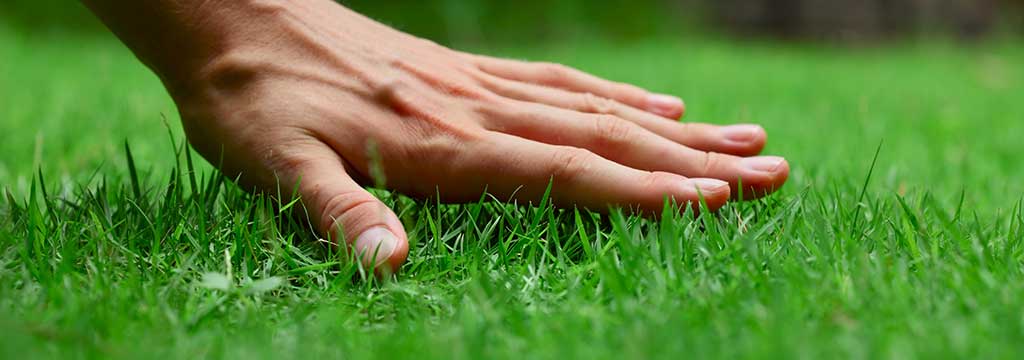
(169, 36)
(178, 39)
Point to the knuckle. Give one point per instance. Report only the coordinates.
(442, 154)
(709, 162)
(597, 104)
(657, 182)
(571, 163)
(488, 100)
(555, 73)
(613, 132)
(393, 93)
(272, 9)
(231, 73)
(458, 85)
(490, 111)
(466, 90)
(436, 148)
(395, 62)
(429, 117)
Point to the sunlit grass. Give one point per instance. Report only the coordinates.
(111, 252)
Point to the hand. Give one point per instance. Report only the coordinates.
(314, 94)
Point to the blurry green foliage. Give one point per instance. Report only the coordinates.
(526, 20)
(459, 21)
(47, 15)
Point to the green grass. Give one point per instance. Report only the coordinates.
(924, 259)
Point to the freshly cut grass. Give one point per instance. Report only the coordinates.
(123, 250)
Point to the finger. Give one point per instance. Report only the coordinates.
(344, 210)
(581, 178)
(741, 140)
(567, 78)
(631, 145)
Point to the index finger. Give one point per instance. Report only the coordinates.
(511, 166)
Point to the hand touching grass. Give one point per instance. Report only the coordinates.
(310, 93)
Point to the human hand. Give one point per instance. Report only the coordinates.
(311, 93)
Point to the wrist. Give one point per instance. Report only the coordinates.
(206, 35)
(178, 38)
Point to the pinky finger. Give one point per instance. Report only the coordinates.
(570, 79)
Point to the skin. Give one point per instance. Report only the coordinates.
(307, 92)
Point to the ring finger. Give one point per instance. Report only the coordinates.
(741, 140)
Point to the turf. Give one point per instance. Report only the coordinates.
(899, 235)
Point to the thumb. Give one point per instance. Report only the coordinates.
(342, 209)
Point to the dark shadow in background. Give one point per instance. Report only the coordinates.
(867, 19)
(526, 21)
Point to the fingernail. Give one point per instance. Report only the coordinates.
(763, 163)
(741, 133)
(709, 185)
(666, 105)
(376, 245)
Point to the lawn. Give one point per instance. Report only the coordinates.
(918, 253)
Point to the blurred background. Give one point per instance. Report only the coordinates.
(476, 21)
(939, 82)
